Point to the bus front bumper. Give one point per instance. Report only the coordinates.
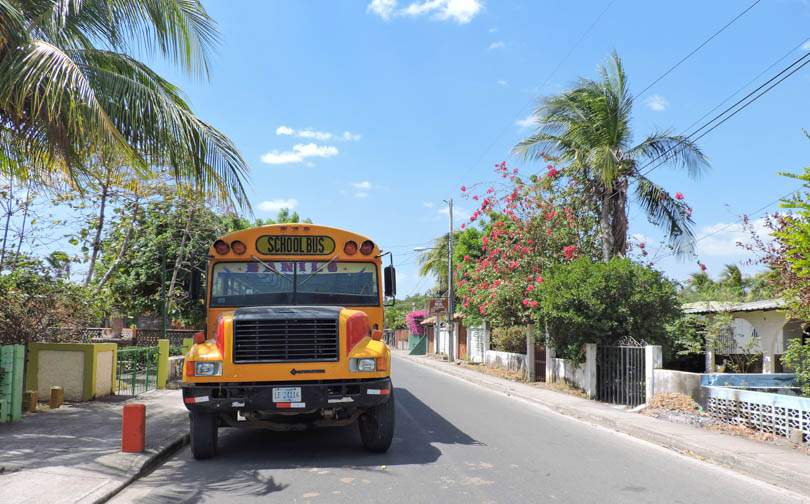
(289, 397)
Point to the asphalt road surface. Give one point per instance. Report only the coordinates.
(454, 442)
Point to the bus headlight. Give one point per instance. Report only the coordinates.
(208, 368)
(364, 365)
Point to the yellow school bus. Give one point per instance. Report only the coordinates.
(293, 337)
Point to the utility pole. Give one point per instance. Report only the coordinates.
(450, 307)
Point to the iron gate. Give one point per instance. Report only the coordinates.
(620, 374)
(136, 370)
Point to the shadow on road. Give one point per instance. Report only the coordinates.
(249, 460)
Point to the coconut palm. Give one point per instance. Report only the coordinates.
(71, 90)
(433, 262)
(587, 131)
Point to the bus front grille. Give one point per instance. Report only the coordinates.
(285, 340)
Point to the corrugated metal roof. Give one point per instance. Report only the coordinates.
(703, 307)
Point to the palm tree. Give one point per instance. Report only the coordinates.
(71, 91)
(433, 262)
(732, 277)
(587, 130)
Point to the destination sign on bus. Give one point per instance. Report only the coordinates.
(295, 245)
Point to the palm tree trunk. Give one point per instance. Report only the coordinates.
(605, 228)
(619, 219)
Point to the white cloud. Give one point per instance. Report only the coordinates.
(493, 29)
(460, 215)
(496, 45)
(501, 82)
(527, 122)
(351, 137)
(806, 46)
(460, 11)
(277, 204)
(321, 136)
(361, 194)
(299, 153)
(428, 204)
(656, 103)
(720, 240)
(365, 185)
(383, 8)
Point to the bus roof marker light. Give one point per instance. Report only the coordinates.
(350, 248)
(221, 247)
(367, 247)
(238, 247)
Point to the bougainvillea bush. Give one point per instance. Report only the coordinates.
(530, 223)
(414, 320)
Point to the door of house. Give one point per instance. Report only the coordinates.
(461, 342)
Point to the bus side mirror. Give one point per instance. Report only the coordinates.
(195, 289)
(390, 281)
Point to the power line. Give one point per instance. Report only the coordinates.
(698, 48)
(546, 81)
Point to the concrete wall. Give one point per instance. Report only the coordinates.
(83, 370)
(581, 376)
(505, 360)
(678, 382)
(479, 343)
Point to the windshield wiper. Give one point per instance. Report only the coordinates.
(302, 282)
(273, 269)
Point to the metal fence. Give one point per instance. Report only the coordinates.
(149, 337)
(136, 370)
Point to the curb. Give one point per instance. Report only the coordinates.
(149, 465)
(742, 464)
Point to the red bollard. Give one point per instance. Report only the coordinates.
(133, 428)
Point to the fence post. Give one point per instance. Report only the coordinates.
(590, 370)
(710, 361)
(163, 363)
(653, 359)
(551, 354)
(531, 373)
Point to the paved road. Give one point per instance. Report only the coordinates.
(455, 442)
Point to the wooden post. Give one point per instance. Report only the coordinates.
(30, 401)
(531, 374)
(57, 397)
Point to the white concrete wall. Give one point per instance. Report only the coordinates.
(505, 360)
(581, 376)
(61, 368)
(478, 343)
(678, 382)
(104, 379)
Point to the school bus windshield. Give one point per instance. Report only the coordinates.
(256, 283)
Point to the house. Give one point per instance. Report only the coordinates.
(766, 320)
(438, 335)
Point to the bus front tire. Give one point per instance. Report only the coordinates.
(203, 435)
(377, 426)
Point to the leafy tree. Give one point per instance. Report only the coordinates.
(395, 315)
(72, 95)
(587, 130)
(797, 357)
(602, 302)
(39, 305)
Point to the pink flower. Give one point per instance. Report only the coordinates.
(526, 301)
(551, 215)
(539, 279)
(679, 196)
(466, 258)
(552, 172)
(530, 288)
(702, 266)
(569, 251)
(533, 304)
(642, 245)
(463, 225)
(463, 188)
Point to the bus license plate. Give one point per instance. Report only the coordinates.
(287, 394)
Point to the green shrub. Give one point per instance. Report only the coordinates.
(597, 302)
(509, 339)
(797, 357)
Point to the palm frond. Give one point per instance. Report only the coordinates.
(667, 213)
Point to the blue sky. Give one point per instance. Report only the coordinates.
(367, 115)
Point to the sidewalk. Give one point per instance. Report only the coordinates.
(73, 454)
(778, 465)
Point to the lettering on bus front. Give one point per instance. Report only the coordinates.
(295, 245)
